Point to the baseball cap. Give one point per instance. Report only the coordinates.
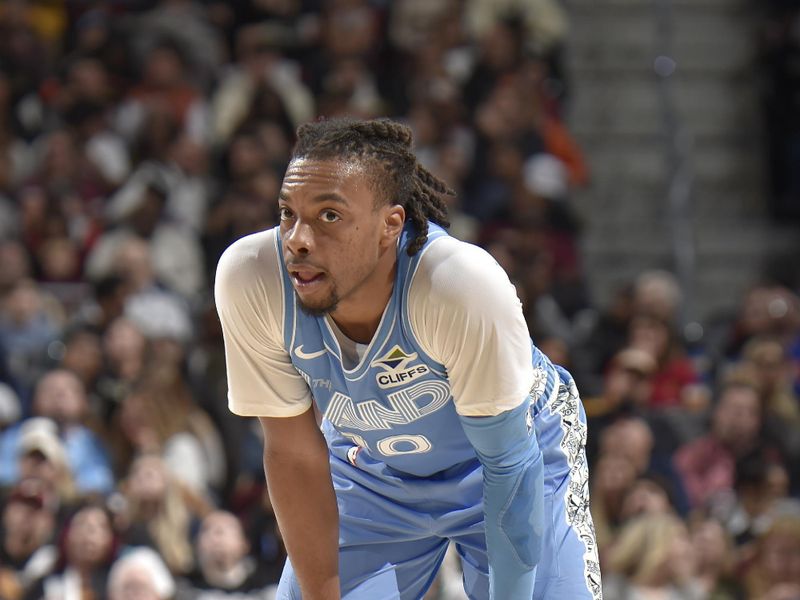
(40, 434)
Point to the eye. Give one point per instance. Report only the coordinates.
(284, 213)
(329, 216)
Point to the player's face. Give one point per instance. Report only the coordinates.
(334, 234)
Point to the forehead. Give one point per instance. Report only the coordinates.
(221, 520)
(345, 177)
(740, 397)
(90, 515)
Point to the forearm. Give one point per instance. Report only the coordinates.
(305, 507)
(513, 500)
(300, 489)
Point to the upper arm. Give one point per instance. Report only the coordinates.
(466, 314)
(298, 436)
(248, 292)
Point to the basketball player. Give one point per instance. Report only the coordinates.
(441, 422)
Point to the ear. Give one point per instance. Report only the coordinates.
(393, 219)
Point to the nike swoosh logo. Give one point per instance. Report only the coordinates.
(298, 352)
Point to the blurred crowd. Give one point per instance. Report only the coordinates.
(139, 138)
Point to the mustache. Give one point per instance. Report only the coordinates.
(300, 263)
(305, 264)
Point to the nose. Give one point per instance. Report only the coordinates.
(299, 239)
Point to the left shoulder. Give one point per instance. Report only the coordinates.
(460, 274)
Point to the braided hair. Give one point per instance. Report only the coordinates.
(397, 176)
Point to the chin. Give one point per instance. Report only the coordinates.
(320, 308)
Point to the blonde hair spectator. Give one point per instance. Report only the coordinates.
(163, 508)
(716, 558)
(777, 562)
(652, 551)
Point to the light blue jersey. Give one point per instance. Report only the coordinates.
(395, 405)
(407, 479)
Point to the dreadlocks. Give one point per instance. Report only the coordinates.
(397, 177)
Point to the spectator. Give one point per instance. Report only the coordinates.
(761, 486)
(165, 89)
(185, 27)
(775, 573)
(87, 549)
(83, 356)
(645, 496)
(178, 430)
(716, 560)
(61, 397)
(675, 379)
(125, 350)
(707, 465)
(767, 362)
(657, 293)
(545, 20)
(104, 304)
(766, 310)
(16, 264)
(84, 99)
(225, 568)
(30, 524)
(159, 512)
(769, 367)
(139, 210)
(612, 477)
(260, 66)
(627, 387)
(41, 455)
(653, 555)
(606, 335)
(26, 330)
(633, 438)
(140, 574)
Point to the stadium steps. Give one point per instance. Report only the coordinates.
(615, 113)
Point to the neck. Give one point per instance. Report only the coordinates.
(359, 315)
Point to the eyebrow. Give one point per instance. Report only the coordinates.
(324, 197)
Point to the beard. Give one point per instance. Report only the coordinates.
(321, 308)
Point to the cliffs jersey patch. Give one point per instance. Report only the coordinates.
(397, 368)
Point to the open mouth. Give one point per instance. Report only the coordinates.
(305, 277)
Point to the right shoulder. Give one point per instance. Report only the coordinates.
(248, 279)
(250, 260)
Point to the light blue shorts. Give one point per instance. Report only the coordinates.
(394, 531)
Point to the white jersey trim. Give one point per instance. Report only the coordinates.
(462, 309)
